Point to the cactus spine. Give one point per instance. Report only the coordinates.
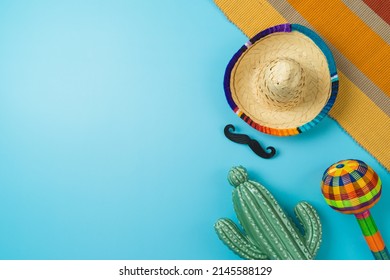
(268, 232)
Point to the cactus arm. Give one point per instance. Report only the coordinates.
(268, 225)
(229, 233)
(311, 223)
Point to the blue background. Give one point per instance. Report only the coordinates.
(111, 136)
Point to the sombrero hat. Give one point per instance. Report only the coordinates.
(283, 81)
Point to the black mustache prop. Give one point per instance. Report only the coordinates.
(245, 139)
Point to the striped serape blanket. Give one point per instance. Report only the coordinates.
(358, 34)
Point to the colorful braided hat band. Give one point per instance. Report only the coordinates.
(283, 81)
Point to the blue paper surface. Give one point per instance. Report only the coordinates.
(112, 144)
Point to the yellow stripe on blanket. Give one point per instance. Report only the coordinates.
(356, 113)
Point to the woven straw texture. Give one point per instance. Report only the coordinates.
(358, 34)
(282, 81)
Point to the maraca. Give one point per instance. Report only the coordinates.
(352, 187)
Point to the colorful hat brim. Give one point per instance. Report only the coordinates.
(332, 74)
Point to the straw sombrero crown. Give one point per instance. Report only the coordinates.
(283, 81)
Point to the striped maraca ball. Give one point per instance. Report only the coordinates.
(351, 186)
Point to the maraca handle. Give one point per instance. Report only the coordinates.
(372, 235)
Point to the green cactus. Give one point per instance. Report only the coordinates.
(268, 232)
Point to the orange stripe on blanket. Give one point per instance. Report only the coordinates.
(364, 121)
(250, 16)
(351, 36)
